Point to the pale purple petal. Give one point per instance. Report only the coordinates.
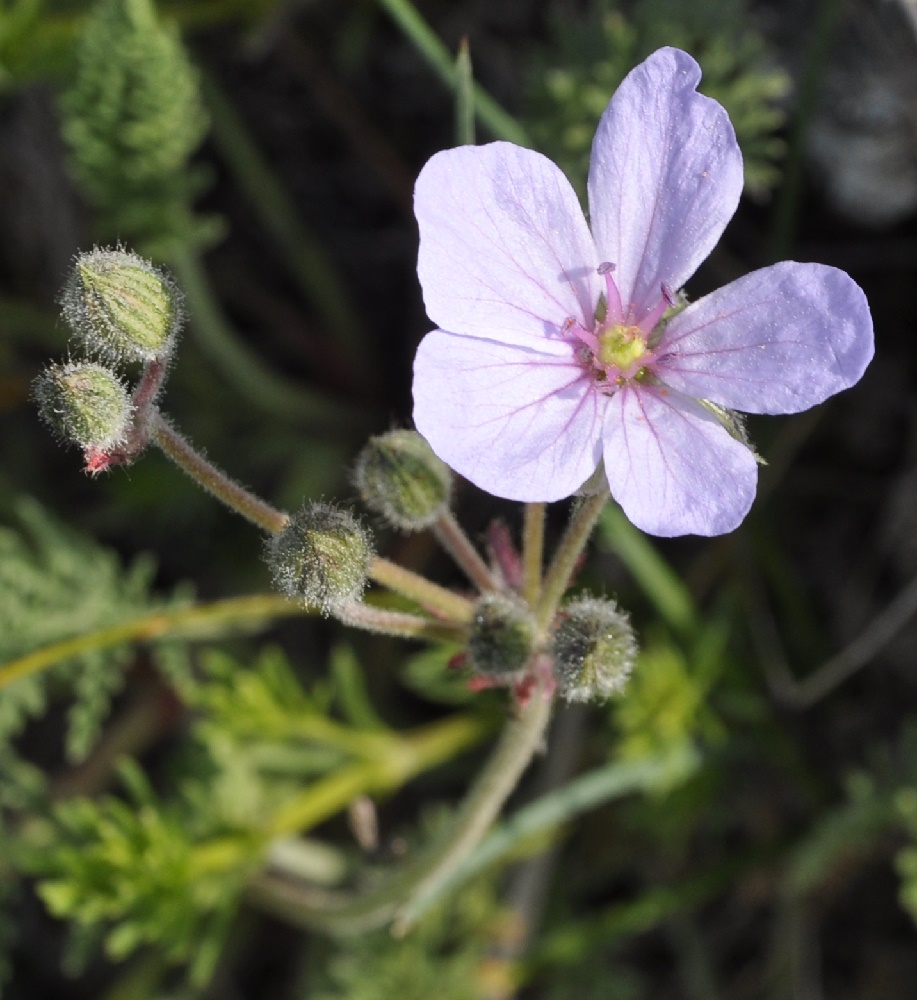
(672, 467)
(519, 424)
(776, 341)
(664, 179)
(505, 252)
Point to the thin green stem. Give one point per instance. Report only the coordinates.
(532, 551)
(398, 759)
(207, 475)
(200, 621)
(557, 579)
(555, 809)
(450, 534)
(464, 95)
(418, 588)
(441, 61)
(407, 626)
(396, 899)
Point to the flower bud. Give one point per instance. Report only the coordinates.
(121, 307)
(594, 650)
(321, 557)
(400, 478)
(502, 636)
(85, 403)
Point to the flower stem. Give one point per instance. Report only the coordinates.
(451, 536)
(408, 626)
(199, 621)
(207, 475)
(557, 579)
(406, 890)
(418, 588)
(532, 551)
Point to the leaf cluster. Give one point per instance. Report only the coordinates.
(56, 584)
(576, 74)
(132, 873)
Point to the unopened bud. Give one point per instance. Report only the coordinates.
(502, 636)
(400, 478)
(121, 307)
(321, 557)
(594, 650)
(84, 403)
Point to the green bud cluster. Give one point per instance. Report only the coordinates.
(594, 650)
(84, 403)
(120, 307)
(400, 478)
(502, 636)
(321, 557)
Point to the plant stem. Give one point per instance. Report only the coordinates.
(418, 588)
(398, 759)
(532, 551)
(408, 626)
(202, 621)
(408, 888)
(557, 579)
(451, 536)
(440, 59)
(208, 476)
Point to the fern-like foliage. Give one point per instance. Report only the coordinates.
(56, 584)
(132, 118)
(590, 56)
(133, 873)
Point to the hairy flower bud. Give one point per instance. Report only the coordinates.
(321, 557)
(121, 307)
(400, 478)
(594, 650)
(84, 403)
(502, 636)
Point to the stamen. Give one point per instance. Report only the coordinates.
(571, 326)
(614, 311)
(649, 321)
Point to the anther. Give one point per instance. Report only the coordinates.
(605, 267)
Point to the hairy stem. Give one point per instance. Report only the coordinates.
(532, 551)
(418, 588)
(450, 534)
(406, 890)
(408, 626)
(207, 475)
(557, 579)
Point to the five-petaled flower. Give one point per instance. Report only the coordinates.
(559, 349)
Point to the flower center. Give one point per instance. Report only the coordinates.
(621, 347)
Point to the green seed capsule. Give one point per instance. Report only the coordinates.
(121, 307)
(594, 650)
(502, 636)
(321, 557)
(84, 403)
(400, 478)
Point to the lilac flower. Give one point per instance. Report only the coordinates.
(558, 349)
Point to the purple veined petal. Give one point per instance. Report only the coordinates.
(672, 467)
(505, 252)
(664, 179)
(778, 340)
(519, 424)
